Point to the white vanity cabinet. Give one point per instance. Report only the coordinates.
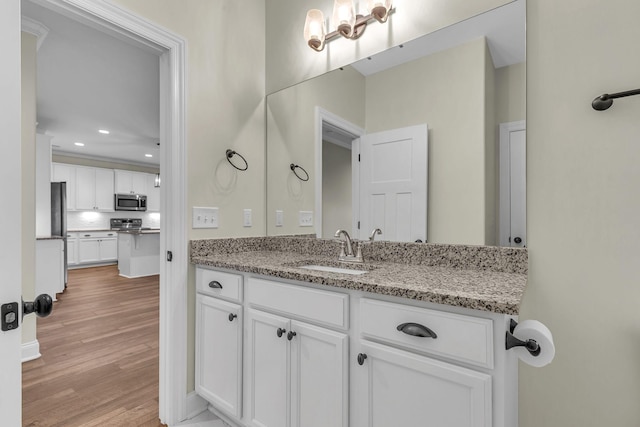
(297, 363)
(400, 384)
(219, 337)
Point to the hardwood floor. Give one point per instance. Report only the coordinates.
(99, 364)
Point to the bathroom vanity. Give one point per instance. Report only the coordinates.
(413, 336)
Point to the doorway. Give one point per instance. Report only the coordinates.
(173, 275)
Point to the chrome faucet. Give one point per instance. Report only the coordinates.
(346, 248)
(373, 234)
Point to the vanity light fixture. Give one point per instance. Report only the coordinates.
(345, 21)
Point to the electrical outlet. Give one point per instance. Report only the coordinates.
(306, 219)
(205, 217)
(279, 218)
(246, 218)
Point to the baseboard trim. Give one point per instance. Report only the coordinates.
(195, 404)
(30, 351)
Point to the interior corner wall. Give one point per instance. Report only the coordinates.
(225, 109)
(289, 60)
(491, 208)
(583, 221)
(336, 189)
(450, 99)
(28, 155)
(511, 99)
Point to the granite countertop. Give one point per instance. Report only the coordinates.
(94, 230)
(492, 279)
(49, 238)
(138, 232)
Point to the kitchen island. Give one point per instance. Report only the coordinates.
(138, 253)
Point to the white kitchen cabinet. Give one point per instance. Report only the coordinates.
(128, 182)
(219, 353)
(72, 249)
(153, 194)
(66, 173)
(94, 189)
(97, 247)
(49, 274)
(406, 389)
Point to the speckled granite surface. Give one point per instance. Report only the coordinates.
(477, 277)
(49, 238)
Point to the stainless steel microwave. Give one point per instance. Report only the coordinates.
(130, 202)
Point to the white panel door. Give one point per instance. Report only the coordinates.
(88, 250)
(219, 353)
(109, 249)
(10, 219)
(319, 374)
(406, 389)
(268, 370)
(393, 183)
(85, 189)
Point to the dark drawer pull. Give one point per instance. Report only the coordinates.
(215, 284)
(417, 330)
(361, 358)
(232, 316)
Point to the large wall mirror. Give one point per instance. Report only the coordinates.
(425, 141)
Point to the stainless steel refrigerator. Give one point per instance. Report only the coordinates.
(59, 217)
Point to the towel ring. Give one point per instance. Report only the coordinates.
(230, 154)
(293, 169)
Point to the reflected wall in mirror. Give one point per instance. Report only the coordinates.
(463, 83)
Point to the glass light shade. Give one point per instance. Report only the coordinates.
(314, 29)
(156, 182)
(379, 9)
(344, 17)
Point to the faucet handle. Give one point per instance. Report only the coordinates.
(343, 253)
(359, 251)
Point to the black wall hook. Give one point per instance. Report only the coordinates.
(294, 167)
(231, 153)
(531, 345)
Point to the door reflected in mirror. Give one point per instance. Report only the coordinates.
(467, 188)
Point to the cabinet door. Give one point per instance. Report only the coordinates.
(66, 173)
(319, 377)
(139, 183)
(88, 250)
(123, 182)
(268, 368)
(108, 249)
(219, 354)
(407, 389)
(72, 251)
(85, 189)
(104, 190)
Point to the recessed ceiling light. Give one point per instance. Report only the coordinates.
(103, 131)
(79, 144)
(148, 155)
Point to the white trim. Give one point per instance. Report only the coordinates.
(138, 31)
(30, 351)
(36, 28)
(195, 405)
(322, 115)
(505, 191)
(103, 159)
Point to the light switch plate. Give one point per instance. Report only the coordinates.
(246, 217)
(279, 218)
(204, 217)
(306, 219)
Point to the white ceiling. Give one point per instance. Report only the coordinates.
(88, 80)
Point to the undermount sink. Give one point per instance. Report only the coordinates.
(333, 269)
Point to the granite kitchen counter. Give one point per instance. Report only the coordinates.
(476, 277)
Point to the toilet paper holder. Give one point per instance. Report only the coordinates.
(531, 345)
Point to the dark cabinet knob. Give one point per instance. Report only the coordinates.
(41, 306)
(517, 240)
(361, 358)
(232, 316)
(214, 284)
(290, 335)
(280, 331)
(416, 330)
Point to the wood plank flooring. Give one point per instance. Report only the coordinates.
(99, 364)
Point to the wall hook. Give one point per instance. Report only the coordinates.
(605, 101)
(294, 167)
(231, 153)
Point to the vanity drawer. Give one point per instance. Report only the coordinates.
(463, 338)
(315, 305)
(219, 284)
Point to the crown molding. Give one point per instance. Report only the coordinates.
(36, 28)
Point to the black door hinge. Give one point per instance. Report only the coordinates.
(169, 256)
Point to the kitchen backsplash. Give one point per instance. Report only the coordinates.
(100, 220)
